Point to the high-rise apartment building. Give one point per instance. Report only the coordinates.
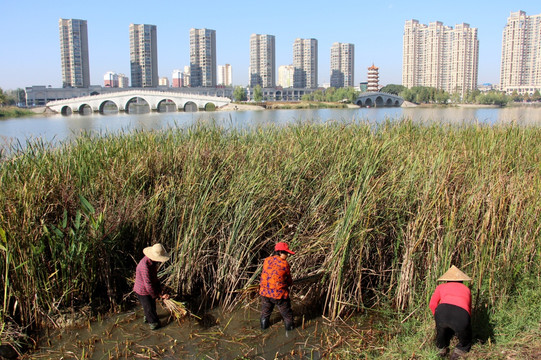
(262, 60)
(342, 65)
(143, 55)
(285, 76)
(521, 54)
(110, 79)
(74, 53)
(225, 75)
(305, 63)
(202, 57)
(439, 56)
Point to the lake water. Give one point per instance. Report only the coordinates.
(57, 128)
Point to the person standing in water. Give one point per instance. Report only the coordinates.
(147, 285)
(451, 306)
(274, 286)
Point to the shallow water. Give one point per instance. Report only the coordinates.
(228, 335)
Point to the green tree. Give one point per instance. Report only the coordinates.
(239, 94)
(393, 89)
(536, 96)
(2, 97)
(258, 93)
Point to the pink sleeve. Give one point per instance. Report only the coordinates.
(435, 300)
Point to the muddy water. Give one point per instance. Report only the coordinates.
(222, 335)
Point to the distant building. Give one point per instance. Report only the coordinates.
(439, 56)
(123, 81)
(202, 57)
(225, 75)
(74, 53)
(373, 79)
(363, 86)
(143, 55)
(178, 77)
(285, 76)
(262, 61)
(110, 79)
(521, 54)
(305, 63)
(164, 81)
(342, 65)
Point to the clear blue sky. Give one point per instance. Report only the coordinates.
(30, 48)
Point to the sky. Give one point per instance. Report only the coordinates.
(30, 45)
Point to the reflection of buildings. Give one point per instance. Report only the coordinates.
(373, 79)
(262, 60)
(202, 57)
(285, 76)
(439, 56)
(225, 75)
(305, 63)
(143, 55)
(74, 53)
(342, 65)
(521, 54)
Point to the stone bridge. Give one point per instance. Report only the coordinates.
(137, 101)
(378, 99)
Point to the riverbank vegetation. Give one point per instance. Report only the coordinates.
(13, 111)
(378, 211)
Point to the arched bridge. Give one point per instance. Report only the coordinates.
(378, 99)
(137, 101)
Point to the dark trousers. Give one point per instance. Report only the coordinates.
(451, 320)
(284, 305)
(149, 308)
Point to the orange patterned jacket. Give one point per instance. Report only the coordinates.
(275, 278)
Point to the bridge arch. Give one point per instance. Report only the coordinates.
(368, 102)
(190, 106)
(66, 111)
(379, 101)
(210, 106)
(137, 105)
(389, 102)
(108, 107)
(85, 109)
(397, 103)
(166, 105)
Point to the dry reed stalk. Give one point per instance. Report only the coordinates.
(176, 308)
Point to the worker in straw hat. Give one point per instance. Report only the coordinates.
(147, 285)
(274, 286)
(451, 306)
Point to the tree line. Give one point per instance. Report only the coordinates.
(12, 97)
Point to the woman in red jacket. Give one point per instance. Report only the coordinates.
(274, 286)
(451, 306)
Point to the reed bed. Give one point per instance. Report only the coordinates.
(380, 210)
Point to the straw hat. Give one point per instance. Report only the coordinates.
(156, 252)
(454, 274)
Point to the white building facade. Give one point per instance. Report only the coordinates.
(143, 55)
(285, 76)
(439, 56)
(342, 65)
(305, 63)
(74, 53)
(202, 57)
(262, 60)
(225, 75)
(521, 54)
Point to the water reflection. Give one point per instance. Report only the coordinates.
(59, 128)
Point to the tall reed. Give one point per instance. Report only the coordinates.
(382, 210)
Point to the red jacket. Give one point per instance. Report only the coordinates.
(453, 293)
(275, 278)
(146, 279)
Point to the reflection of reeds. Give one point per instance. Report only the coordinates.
(380, 210)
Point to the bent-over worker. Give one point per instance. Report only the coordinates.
(274, 286)
(451, 306)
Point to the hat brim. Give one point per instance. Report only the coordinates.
(149, 253)
(454, 274)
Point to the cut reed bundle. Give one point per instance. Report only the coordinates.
(176, 308)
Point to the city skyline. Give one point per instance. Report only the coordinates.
(31, 54)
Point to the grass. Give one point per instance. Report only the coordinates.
(382, 210)
(13, 111)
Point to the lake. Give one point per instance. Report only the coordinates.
(56, 128)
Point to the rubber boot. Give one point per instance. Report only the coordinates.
(289, 326)
(154, 326)
(265, 323)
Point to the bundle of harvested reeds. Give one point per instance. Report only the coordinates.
(177, 309)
